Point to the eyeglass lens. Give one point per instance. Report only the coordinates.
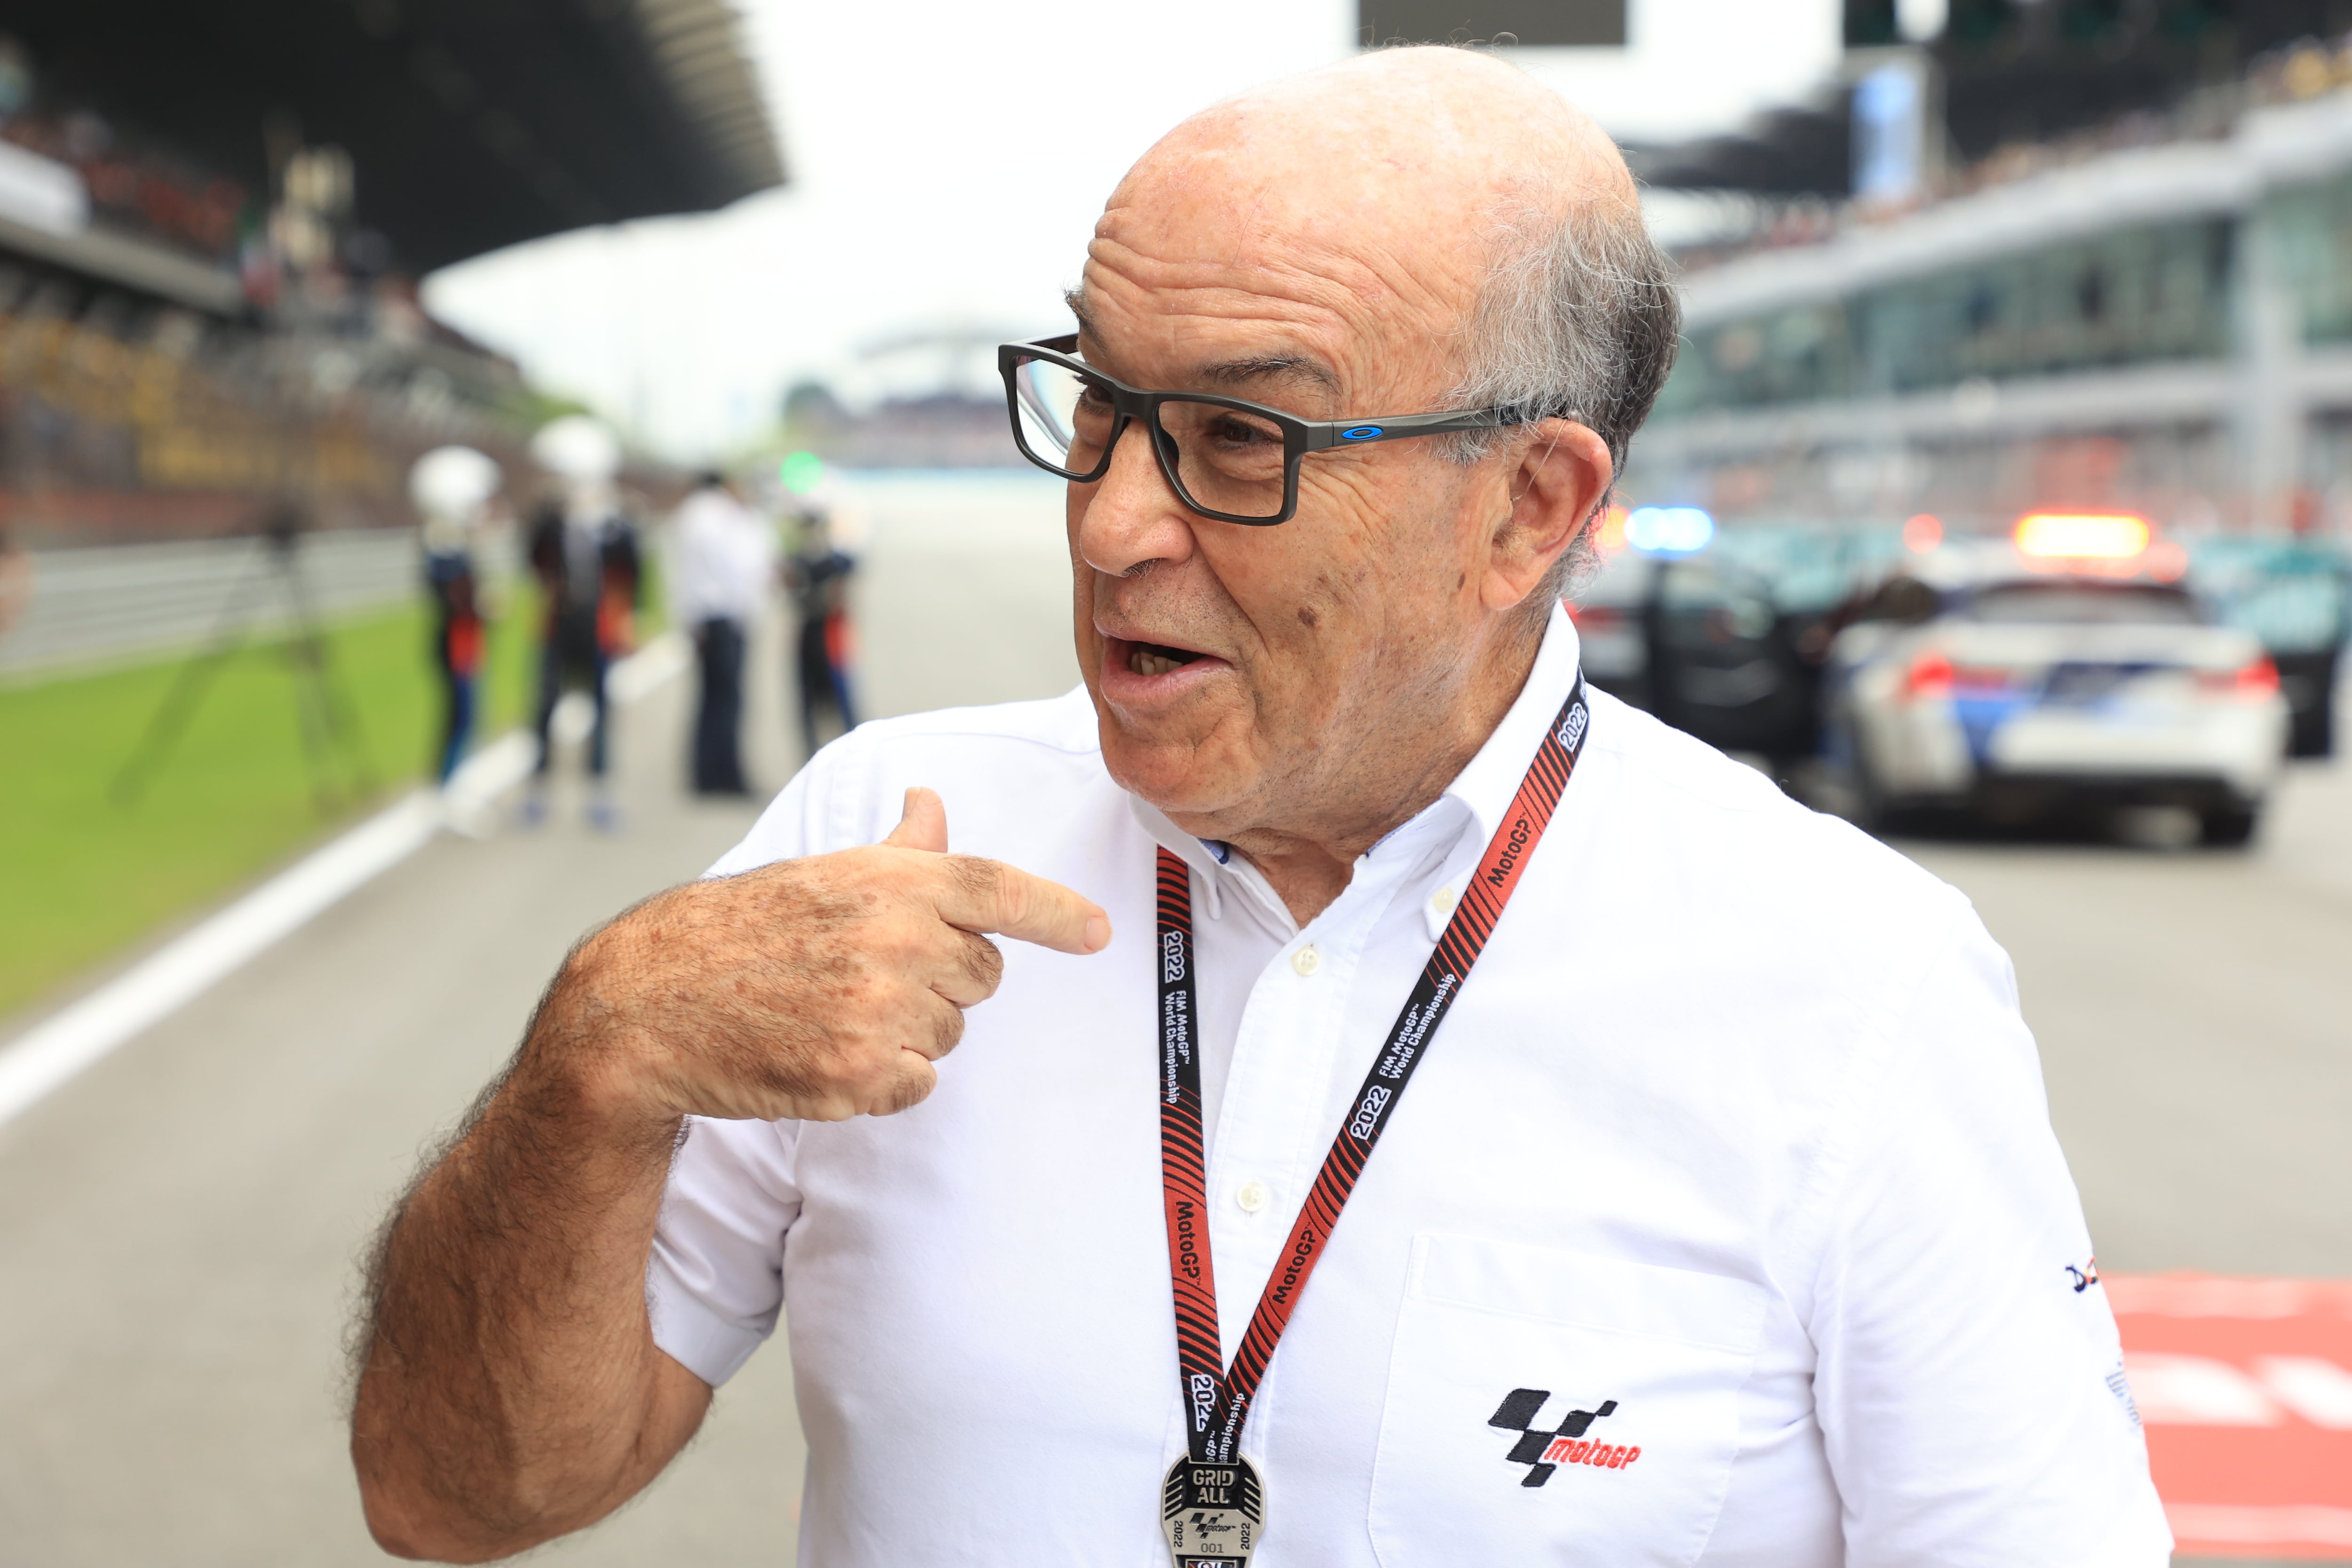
(1223, 459)
(1047, 401)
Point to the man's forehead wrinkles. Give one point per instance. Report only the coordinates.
(1356, 251)
(1222, 301)
(1195, 349)
(1370, 282)
(1122, 281)
(1224, 345)
(1337, 302)
(1214, 305)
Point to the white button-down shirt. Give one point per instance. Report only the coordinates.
(1734, 1141)
(725, 560)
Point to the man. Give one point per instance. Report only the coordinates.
(452, 488)
(819, 574)
(726, 568)
(15, 574)
(584, 551)
(1718, 1220)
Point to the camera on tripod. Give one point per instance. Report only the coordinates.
(334, 748)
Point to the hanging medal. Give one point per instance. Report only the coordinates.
(1213, 1504)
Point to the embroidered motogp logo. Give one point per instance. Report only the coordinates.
(1544, 1452)
(2084, 1277)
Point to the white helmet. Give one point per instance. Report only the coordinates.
(453, 483)
(577, 447)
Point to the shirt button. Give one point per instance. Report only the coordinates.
(1252, 1197)
(1306, 960)
(1440, 902)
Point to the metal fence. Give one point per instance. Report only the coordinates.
(108, 604)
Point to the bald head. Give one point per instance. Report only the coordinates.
(1427, 197)
(1443, 134)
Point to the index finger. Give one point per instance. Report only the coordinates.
(989, 896)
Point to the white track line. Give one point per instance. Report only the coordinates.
(2300, 1525)
(55, 1049)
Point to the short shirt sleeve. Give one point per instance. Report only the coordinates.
(715, 1282)
(716, 1279)
(1969, 1394)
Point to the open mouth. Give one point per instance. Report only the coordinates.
(1158, 658)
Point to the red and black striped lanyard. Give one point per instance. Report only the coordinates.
(1217, 1401)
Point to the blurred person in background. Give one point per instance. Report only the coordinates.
(725, 555)
(1716, 1218)
(452, 488)
(818, 574)
(584, 551)
(15, 578)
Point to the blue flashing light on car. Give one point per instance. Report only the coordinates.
(1668, 530)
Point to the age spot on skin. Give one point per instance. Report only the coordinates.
(1307, 617)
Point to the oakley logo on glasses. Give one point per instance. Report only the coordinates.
(1361, 433)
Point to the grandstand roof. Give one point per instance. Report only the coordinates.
(2011, 72)
(472, 123)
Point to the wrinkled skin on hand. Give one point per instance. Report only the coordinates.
(814, 989)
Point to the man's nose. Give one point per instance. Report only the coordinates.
(1132, 516)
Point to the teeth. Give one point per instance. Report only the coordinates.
(1143, 661)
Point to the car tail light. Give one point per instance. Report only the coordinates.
(1934, 675)
(2251, 682)
(1930, 676)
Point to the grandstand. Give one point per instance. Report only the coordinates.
(2167, 328)
(211, 219)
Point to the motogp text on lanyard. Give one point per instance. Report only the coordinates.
(1213, 1505)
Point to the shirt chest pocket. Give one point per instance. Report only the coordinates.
(1548, 1406)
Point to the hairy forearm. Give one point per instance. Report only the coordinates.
(511, 1390)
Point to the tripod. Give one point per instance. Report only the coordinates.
(323, 713)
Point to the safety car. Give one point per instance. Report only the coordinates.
(2063, 667)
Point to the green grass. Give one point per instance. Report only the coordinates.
(81, 874)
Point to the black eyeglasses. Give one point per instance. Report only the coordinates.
(1227, 459)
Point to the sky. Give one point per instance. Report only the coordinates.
(947, 162)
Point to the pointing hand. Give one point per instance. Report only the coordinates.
(820, 988)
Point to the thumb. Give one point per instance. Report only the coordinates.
(924, 824)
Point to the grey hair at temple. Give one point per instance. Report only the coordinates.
(1577, 314)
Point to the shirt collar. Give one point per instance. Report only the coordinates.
(1482, 791)
(1214, 862)
(1491, 781)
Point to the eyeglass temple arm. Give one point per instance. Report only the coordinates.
(1327, 433)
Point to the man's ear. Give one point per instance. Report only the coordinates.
(1557, 488)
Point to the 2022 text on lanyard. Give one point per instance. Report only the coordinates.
(1213, 1504)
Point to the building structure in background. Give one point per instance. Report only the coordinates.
(2148, 312)
(2010, 85)
(924, 398)
(210, 222)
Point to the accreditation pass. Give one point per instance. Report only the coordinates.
(1214, 1513)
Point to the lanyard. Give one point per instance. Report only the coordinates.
(1216, 1400)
